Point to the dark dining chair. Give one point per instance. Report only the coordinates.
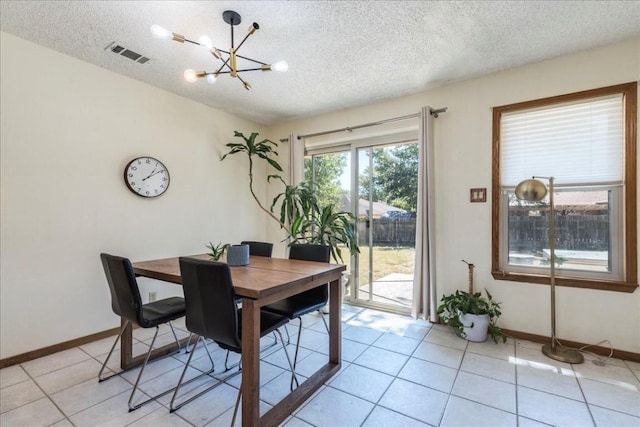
(127, 303)
(259, 248)
(306, 302)
(256, 249)
(213, 313)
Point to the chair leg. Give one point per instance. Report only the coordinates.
(226, 363)
(295, 357)
(288, 336)
(235, 410)
(144, 365)
(186, 346)
(172, 407)
(175, 337)
(324, 320)
(104, 365)
(184, 371)
(135, 386)
(275, 341)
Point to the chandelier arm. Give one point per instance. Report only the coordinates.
(243, 40)
(252, 60)
(238, 71)
(246, 85)
(225, 62)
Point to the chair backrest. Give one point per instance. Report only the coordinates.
(259, 248)
(306, 252)
(209, 300)
(125, 295)
(318, 253)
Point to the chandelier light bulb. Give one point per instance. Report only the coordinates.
(206, 42)
(212, 78)
(190, 76)
(160, 32)
(281, 66)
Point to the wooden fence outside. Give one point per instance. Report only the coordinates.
(529, 233)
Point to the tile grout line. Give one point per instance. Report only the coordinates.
(32, 379)
(586, 402)
(444, 410)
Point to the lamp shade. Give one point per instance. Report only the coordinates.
(531, 190)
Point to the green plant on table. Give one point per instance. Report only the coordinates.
(454, 305)
(216, 251)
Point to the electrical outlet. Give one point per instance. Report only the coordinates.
(153, 296)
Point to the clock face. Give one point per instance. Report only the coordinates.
(146, 177)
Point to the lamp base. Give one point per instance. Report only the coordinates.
(562, 354)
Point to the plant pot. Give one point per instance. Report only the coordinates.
(475, 326)
(238, 255)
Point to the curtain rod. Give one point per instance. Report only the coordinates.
(433, 112)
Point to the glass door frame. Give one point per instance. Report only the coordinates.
(352, 147)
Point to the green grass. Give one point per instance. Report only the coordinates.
(386, 260)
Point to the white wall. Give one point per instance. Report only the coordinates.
(463, 161)
(68, 129)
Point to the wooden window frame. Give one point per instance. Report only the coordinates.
(630, 268)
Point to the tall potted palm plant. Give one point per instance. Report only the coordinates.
(296, 208)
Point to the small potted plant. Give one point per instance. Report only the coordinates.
(216, 251)
(470, 314)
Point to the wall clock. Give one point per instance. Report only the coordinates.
(146, 177)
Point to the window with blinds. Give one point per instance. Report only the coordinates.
(577, 143)
(583, 141)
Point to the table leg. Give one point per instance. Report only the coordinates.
(250, 363)
(335, 335)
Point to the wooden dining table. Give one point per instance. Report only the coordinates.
(263, 281)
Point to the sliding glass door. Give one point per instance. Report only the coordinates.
(378, 184)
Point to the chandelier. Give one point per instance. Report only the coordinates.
(229, 58)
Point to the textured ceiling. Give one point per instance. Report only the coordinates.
(340, 53)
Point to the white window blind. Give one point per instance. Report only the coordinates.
(576, 143)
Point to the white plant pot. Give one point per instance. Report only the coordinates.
(475, 326)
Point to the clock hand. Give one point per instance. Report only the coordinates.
(152, 173)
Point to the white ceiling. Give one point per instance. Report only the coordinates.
(340, 53)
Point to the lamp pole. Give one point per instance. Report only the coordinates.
(552, 268)
(534, 190)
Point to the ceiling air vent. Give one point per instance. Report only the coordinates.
(123, 51)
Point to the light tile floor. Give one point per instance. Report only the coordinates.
(396, 372)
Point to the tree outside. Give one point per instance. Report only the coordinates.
(325, 172)
(394, 177)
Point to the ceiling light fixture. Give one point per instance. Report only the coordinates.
(229, 58)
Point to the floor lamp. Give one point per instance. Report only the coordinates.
(534, 190)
